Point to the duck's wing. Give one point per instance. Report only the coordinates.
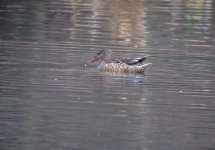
(133, 61)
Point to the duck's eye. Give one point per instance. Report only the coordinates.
(100, 52)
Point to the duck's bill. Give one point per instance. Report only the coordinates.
(93, 60)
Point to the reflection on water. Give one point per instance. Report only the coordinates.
(50, 100)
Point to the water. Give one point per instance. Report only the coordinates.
(51, 100)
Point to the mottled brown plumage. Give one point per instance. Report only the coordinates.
(125, 65)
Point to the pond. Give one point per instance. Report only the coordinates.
(49, 98)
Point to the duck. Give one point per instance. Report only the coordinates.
(109, 63)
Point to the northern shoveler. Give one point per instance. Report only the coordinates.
(112, 64)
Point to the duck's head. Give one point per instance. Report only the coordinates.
(103, 55)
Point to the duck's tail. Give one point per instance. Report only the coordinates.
(139, 68)
(145, 65)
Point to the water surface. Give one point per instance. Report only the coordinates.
(49, 99)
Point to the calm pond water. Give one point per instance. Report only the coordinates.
(49, 99)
